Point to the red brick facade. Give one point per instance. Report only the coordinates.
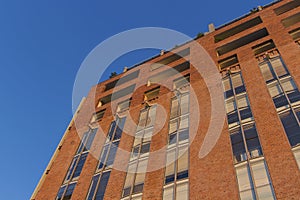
(212, 177)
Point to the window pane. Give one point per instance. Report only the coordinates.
(168, 193)
(252, 140)
(238, 146)
(184, 122)
(103, 156)
(145, 148)
(226, 84)
(243, 176)
(233, 118)
(80, 165)
(265, 193)
(247, 195)
(71, 169)
(169, 174)
(119, 129)
(288, 84)
(123, 105)
(182, 191)
(83, 140)
(274, 89)
(90, 139)
(183, 159)
(141, 172)
(280, 101)
(102, 186)
(178, 83)
(183, 135)
(93, 187)
(245, 114)
(129, 178)
(69, 191)
(172, 138)
(111, 130)
(184, 104)
(259, 173)
(291, 127)
(112, 153)
(227, 87)
(237, 80)
(151, 116)
(297, 156)
(294, 97)
(138, 188)
(142, 120)
(174, 108)
(230, 105)
(173, 126)
(60, 193)
(267, 72)
(279, 67)
(148, 135)
(242, 101)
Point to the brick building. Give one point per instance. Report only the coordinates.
(257, 155)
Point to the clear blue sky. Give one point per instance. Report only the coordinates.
(42, 44)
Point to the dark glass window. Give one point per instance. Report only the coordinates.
(61, 192)
(291, 127)
(93, 187)
(69, 191)
(237, 143)
(102, 185)
(80, 165)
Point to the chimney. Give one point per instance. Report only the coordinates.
(211, 28)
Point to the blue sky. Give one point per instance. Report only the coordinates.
(43, 43)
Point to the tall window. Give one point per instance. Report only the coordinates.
(251, 170)
(285, 95)
(66, 190)
(134, 182)
(107, 157)
(176, 183)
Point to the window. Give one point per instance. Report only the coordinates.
(66, 190)
(285, 95)
(250, 167)
(177, 160)
(124, 105)
(152, 94)
(242, 41)
(164, 75)
(106, 160)
(118, 94)
(99, 181)
(263, 47)
(254, 183)
(181, 82)
(98, 116)
(136, 172)
(122, 80)
(237, 29)
(297, 155)
(291, 20)
(287, 7)
(295, 34)
(170, 59)
(227, 62)
(81, 155)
